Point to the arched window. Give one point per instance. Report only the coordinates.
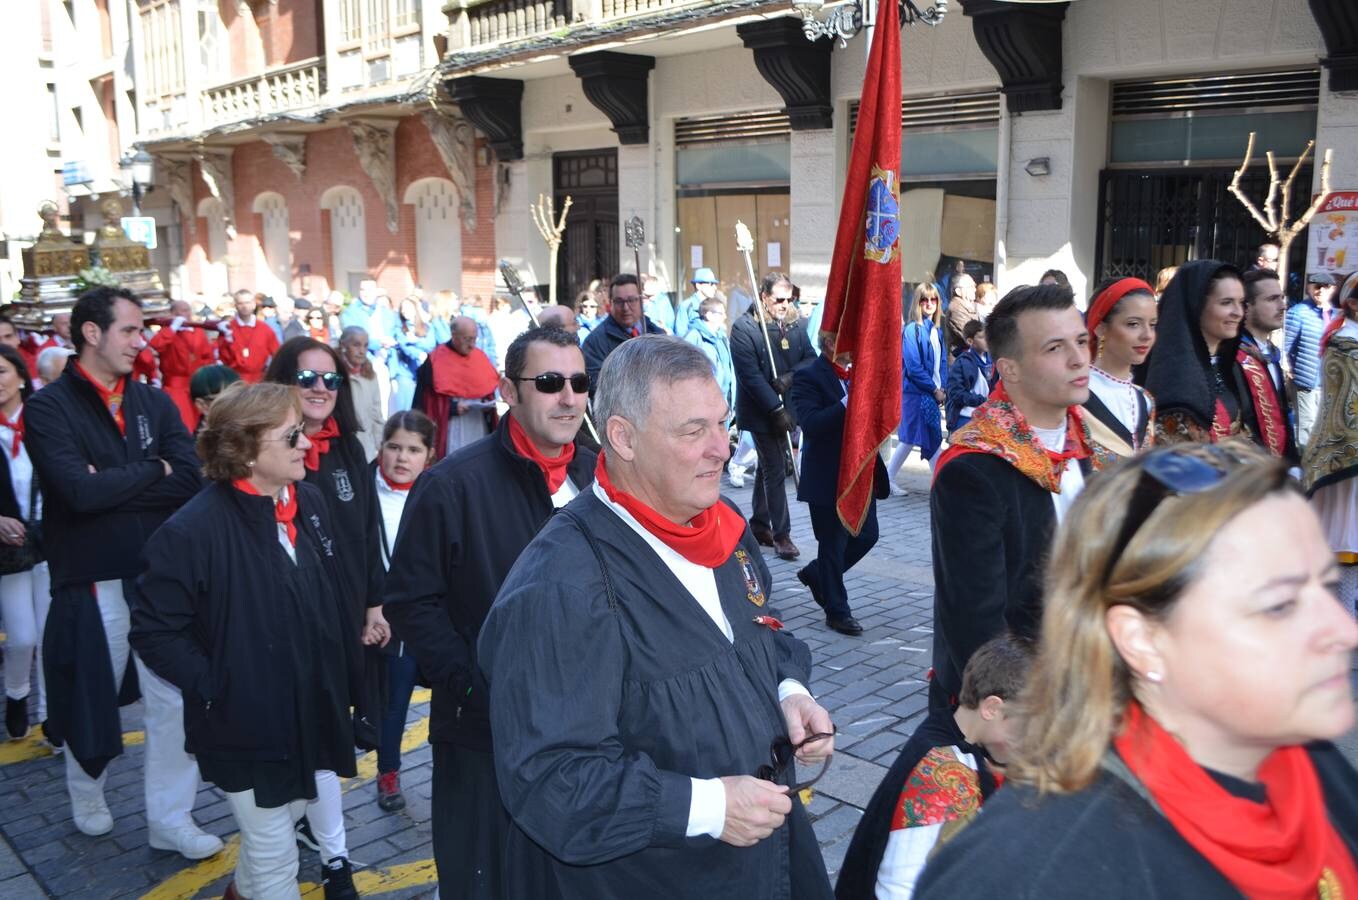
(348, 237)
(214, 272)
(438, 234)
(274, 273)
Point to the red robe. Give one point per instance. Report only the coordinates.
(455, 377)
(32, 346)
(249, 350)
(181, 354)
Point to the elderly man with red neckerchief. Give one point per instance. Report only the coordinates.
(1007, 478)
(647, 705)
(454, 386)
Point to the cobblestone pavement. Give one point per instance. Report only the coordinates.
(873, 686)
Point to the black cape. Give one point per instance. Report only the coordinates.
(610, 689)
(1179, 370)
(858, 876)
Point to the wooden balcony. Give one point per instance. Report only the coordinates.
(295, 87)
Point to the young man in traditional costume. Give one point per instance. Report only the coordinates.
(1006, 479)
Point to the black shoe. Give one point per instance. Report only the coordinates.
(762, 535)
(304, 835)
(847, 625)
(16, 717)
(337, 878)
(811, 586)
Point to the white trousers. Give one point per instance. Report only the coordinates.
(326, 815)
(25, 598)
(170, 775)
(266, 868)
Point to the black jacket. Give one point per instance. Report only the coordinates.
(248, 636)
(466, 522)
(992, 528)
(97, 522)
(816, 401)
(345, 481)
(756, 398)
(1105, 841)
(606, 337)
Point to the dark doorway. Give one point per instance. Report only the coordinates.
(589, 248)
(1157, 218)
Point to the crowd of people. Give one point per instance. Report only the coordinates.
(273, 528)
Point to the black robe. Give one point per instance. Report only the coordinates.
(858, 875)
(1103, 842)
(604, 708)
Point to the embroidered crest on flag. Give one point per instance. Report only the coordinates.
(883, 224)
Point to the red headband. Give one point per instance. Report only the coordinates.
(1103, 304)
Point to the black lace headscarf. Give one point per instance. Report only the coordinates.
(1180, 375)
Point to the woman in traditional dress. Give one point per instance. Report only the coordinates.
(1193, 373)
(923, 376)
(1121, 320)
(1191, 671)
(1331, 459)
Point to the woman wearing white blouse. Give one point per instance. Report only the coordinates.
(24, 596)
(1120, 415)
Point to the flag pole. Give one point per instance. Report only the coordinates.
(745, 244)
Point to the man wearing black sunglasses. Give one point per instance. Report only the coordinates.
(464, 526)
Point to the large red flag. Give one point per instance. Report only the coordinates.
(863, 300)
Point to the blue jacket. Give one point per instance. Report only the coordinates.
(962, 378)
(917, 356)
(717, 346)
(816, 398)
(1301, 342)
(379, 321)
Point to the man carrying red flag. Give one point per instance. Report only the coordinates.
(865, 326)
(455, 387)
(183, 350)
(1007, 478)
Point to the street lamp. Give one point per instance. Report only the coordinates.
(139, 174)
(847, 17)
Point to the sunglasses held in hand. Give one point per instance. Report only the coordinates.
(781, 753)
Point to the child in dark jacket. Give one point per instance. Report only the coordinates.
(971, 376)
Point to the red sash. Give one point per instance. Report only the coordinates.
(1272, 426)
(469, 377)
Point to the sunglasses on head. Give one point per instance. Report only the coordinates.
(307, 378)
(553, 382)
(1170, 472)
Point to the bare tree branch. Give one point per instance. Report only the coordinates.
(1271, 201)
(1240, 193)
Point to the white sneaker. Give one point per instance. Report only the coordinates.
(91, 816)
(897, 490)
(189, 841)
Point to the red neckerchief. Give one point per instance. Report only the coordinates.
(553, 468)
(393, 485)
(1282, 849)
(17, 426)
(708, 540)
(113, 400)
(284, 510)
(999, 428)
(320, 444)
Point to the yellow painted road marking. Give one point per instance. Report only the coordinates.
(33, 747)
(188, 882)
(385, 880)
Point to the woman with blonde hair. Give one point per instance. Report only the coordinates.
(924, 373)
(1191, 670)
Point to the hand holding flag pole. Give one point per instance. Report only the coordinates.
(745, 244)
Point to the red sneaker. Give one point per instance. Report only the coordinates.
(389, 797)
